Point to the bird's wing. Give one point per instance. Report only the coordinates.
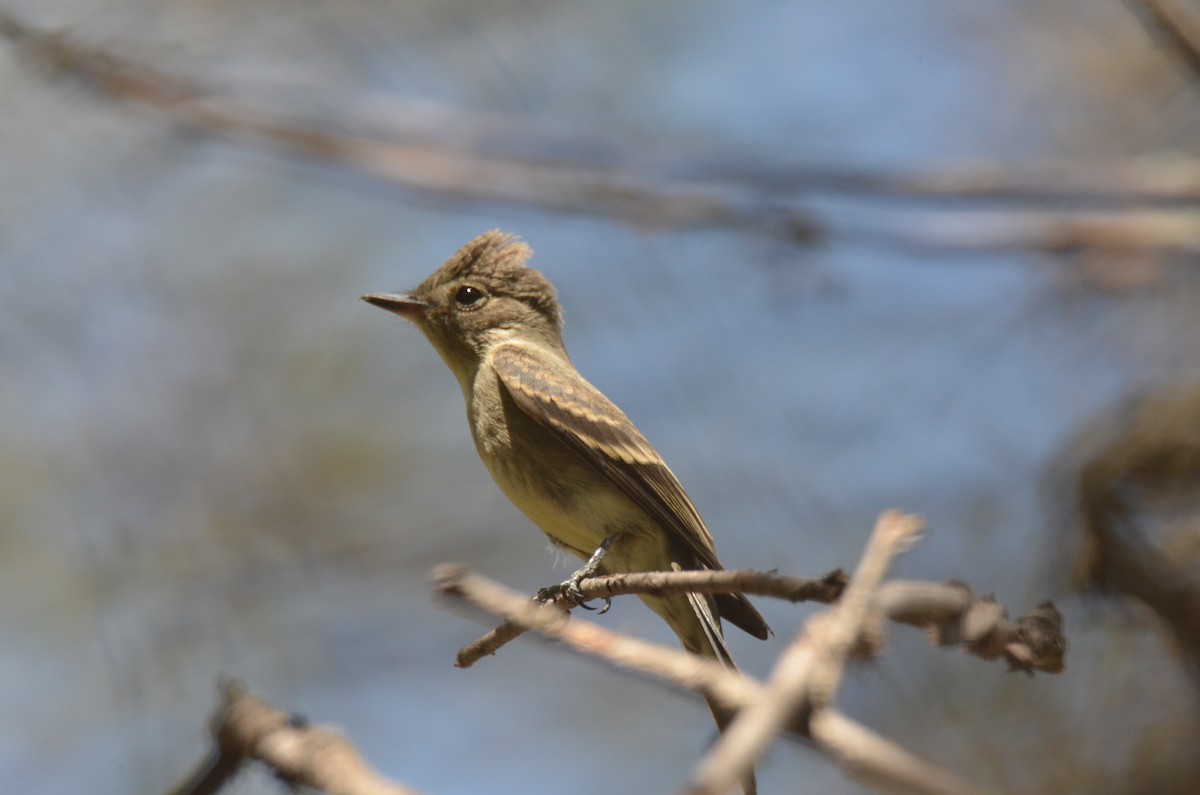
(604, 437)
(590, 423)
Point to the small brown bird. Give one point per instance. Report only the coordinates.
(558, 448)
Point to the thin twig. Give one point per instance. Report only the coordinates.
(809, 671)
(689, 671)
(863, 754)
(488, 645)
(825, 590)
(951, 614)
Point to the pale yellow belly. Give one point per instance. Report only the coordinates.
(595, 510)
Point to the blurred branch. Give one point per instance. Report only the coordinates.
(820, 654)
(419, 166)
(798, 701)
(808, 672)
(1166, 22)
(1144, 478)
(952, 614)
(470, 157)
(1057, 233)
(1164, 181)
(246, 729)
(876, 761)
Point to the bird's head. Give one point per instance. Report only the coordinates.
(483, 295)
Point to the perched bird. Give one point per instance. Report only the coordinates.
(561, 451)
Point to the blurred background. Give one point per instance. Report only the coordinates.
(831, 259)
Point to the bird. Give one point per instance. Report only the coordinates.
(561, 451)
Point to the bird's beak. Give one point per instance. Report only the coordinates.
(402, 304)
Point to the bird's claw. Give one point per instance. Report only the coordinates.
(602, 610)
(570, 589)
(570, 586)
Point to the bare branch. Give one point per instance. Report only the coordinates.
(688, 671)
(488, 645)
(809, 671)
(825, 589)
(246, 729)
(953, 614)
(860, 752)
(797, 702)
(1170, 24)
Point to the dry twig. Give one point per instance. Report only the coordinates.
(863, 755)
(453, 154)
(809, 671)
(825, 590)
(951, 613)
(246, 729)
(685, 670)
(798, 702)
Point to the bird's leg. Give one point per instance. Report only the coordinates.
(570, 586)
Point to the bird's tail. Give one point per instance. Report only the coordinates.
(710, 642)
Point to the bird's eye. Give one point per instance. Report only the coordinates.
(468, 295)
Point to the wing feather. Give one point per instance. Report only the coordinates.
(590, 423)
(603, 436)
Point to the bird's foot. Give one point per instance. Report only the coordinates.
(570, 586)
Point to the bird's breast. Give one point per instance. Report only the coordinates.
(544, 477)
